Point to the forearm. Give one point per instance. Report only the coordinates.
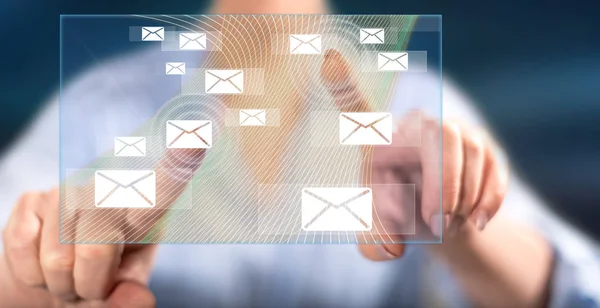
(15, 294)
(506, 265)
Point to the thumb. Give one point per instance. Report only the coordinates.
(131, 294)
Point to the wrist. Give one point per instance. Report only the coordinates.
(506, 263)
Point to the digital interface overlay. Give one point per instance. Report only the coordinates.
(248, 128)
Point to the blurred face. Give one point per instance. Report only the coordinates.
(269, 7)
(261, 149)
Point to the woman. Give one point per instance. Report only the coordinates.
(507, 251)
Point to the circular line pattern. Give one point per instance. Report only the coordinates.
(251, 42)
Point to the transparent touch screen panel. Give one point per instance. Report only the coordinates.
(249, 128)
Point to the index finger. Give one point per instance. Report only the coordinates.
(337, 76)
(83, 221)
(173, 174)
(97, 265)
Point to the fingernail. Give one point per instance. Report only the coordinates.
(384, 253)
(330, 53)
(69, 298)
(42, 286)
(335, 69)
(186, 158)
(481, 221)
(439, 222)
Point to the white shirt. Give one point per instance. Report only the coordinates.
(280, 275)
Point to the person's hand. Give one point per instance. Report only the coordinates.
(84, 275)
(471, 187)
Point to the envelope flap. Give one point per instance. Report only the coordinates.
(224, 74)
(124, 178)
(373, 31)
(298, 37)
(364, 118)
(393, 56)
(192, 35)
(336, 196)
(152, 29)
(189, 126)
(175, 64)
(128, 141)
(252, 112)
(306, 38)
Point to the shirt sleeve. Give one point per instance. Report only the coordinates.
(576, 256)
(32, 162)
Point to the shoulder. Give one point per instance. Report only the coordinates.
(436, 95)
(106, 88)
(112, 83)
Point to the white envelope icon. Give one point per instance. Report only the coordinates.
(175, 68)
(185, 134)
(366, 128)
(307, 44)
(372, 36)
(130, 146)
(125, 188)
(224, 81)
(192, 41)
(337, 209)
(392, 61)
(252, 117)
(153, 33)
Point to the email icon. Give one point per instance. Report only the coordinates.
(308, 44)
(224, 81)
(192, 41)
(153, 33)
(184, 134)
(366, 128)
(392, 61)
(337, 209)
(130, 146)
(175, 68)
(125, 188)
(252, 117)
(372, 36)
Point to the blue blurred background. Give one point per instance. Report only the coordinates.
(532, 66)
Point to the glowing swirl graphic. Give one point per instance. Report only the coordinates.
(246, 188)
